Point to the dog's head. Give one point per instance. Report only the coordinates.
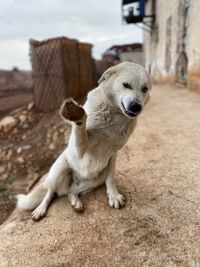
(127, 87)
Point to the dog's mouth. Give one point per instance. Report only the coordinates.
(127, 112)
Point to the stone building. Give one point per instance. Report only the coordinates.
(126, 52)
(119, 53)
(172, 49)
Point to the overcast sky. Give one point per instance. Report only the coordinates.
(97, 22)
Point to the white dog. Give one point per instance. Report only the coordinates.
(99, 129)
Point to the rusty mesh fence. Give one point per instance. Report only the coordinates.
(62, 68)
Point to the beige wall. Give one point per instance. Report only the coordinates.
(163, 47)
(194, 47)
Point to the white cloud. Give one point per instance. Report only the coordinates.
(97, 22)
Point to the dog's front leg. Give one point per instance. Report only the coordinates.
(115, 199)
(70, 110)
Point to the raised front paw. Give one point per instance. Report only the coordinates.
(116, 200)
(72, 111)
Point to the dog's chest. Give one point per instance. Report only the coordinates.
(110, 128)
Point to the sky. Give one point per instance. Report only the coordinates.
(96, 22)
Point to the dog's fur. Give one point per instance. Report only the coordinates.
(99, 129)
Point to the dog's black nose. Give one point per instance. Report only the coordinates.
(135, 107)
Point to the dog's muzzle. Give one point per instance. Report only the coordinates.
(133, 110)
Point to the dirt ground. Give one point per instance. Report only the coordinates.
(27, 152)
(158, 172)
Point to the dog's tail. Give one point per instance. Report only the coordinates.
(33, 199)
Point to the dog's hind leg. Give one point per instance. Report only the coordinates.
(41, 210)
(70, 110)
(57, 181)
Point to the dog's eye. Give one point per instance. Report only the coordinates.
(144, 89)
(127, 85)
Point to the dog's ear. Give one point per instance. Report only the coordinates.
(109, 72)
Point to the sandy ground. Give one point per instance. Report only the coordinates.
(158, 171)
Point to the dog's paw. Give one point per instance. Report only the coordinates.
(38, 213)
(75, 202)
(70, 110)
(77, 205)
(116, 200)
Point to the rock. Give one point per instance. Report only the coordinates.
(22, 118)
(19, 150)
(49, 134)
(30, 105)
(159, 226)
(61, 130)
(66, 138)
(27, 147)
(32, 177)
(30, 118)
(24, 137)
(8, 123)
(9, 154)
(25, 126)
(15, 130)
(17, 111)
(9, 167)
(2, 155)
(55, 137)
(2, 169)
(24, 112)
(20, 160)
(3, 177)
(52, 146)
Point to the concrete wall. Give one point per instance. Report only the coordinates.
(172, 47)
(194, 47)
